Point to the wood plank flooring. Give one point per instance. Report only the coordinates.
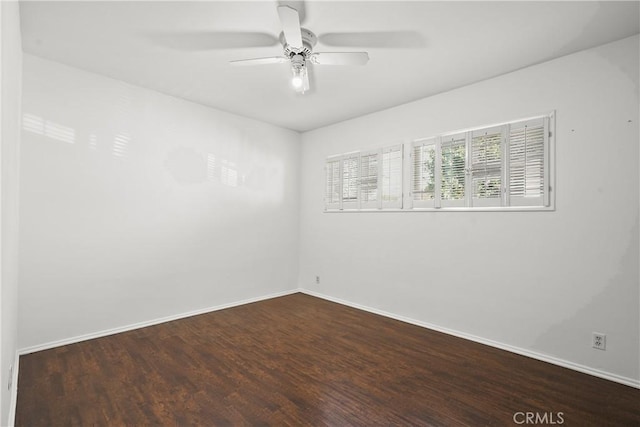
(299, 360)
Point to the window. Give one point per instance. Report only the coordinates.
(392, 177)
(499, 166)
(369, 172)
(503, 166)
(452, 170)
(364, 180)
(423, 178)
(350, 166)
(528, 170)
(332, 188)
(486, 157)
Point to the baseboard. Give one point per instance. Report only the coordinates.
(14, 391)
(130, 327)
(528, 353)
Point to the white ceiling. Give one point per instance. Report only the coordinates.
(180, 48)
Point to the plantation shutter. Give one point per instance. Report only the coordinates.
(369, 169)
(486, 166)
(527, 163)
(391, 177)
(423, 173)
(453, 170)
(503, 166)
(332, 183)
(350, 170)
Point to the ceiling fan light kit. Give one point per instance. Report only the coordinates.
(298, 58)
(299, 71)
(297, 44)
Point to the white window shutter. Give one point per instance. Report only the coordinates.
(350, 183)
(423, 173)
(391, 177)
(486, 159)
(453, 170)
(369, 172)
(332, 194)
(528, 141)
(505, 165)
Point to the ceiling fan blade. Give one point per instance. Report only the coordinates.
(260, 61)
(388, 39)
(298, 5)
(290, 26)
(207, 40)
(339, 58)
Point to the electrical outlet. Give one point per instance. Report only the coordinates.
(317, 280)
(599, 341)
(10, 382)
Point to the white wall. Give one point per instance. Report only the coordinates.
(11, 73)
(482, 273)
(123, 217)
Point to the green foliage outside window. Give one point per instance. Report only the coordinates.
(453, 172)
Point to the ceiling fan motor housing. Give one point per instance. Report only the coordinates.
(309, 40)
(297, 61)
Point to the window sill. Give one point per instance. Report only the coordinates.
(480, 209)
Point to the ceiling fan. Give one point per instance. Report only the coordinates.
(297, 44)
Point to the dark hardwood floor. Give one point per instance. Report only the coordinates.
(298, 360)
